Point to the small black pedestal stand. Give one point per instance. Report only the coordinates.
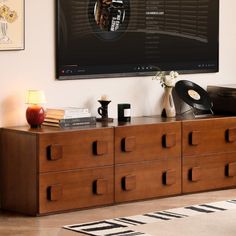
(103, 111)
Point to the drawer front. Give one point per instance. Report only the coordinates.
(61, 191)
(209, 136)
(209, 172)
(78, 149)
(147, 180)
(147, 142)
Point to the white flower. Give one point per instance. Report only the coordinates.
(169, 81)
(166, 80)
(174, 74)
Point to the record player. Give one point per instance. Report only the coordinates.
(224, 98)
(191, 98)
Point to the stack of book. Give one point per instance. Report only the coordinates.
(68, 117)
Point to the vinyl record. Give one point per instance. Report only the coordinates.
(194, 95)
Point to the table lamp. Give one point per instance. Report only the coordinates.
(35, 113)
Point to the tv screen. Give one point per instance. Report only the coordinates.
(113, 38)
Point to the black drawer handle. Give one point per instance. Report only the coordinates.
(169, 177)
(100, 148)
(128, 144)
(231, 135)
(54, 152)
(194, 138)
(54, 192)
(128, 182)
(100, 186)
(195, 174)
(230, 169)
(169, 140)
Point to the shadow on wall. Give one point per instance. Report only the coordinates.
(13, 111)
(92, 105)
(153, 103)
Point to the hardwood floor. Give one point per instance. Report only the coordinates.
(15, 224)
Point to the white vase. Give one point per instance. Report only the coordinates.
(3, 32)
(168, 103)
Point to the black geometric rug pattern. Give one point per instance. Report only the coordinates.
(125, 226)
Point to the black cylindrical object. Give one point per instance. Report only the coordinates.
(124, 112)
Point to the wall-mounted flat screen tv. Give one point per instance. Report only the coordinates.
(113, 38)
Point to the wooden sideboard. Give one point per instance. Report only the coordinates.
(147, 161)
(51, 170)
(208, 154)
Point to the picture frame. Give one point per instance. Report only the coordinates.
(12, 24)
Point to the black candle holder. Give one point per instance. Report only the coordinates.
(103, 111)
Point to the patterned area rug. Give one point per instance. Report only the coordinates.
(128, 226)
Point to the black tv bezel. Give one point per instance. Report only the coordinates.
(127, 74)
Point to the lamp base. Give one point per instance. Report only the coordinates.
(35, 116)
(35, 126)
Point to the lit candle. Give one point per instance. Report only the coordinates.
(104, 98)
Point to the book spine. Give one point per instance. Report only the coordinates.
(67, 110)
(78, 120)
(71, 112)
(70, 124)
(76, 124)
(75, 115)
(51, 124)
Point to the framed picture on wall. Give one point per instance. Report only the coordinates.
(12, 25)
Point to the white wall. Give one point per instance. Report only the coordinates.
(33, 68)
